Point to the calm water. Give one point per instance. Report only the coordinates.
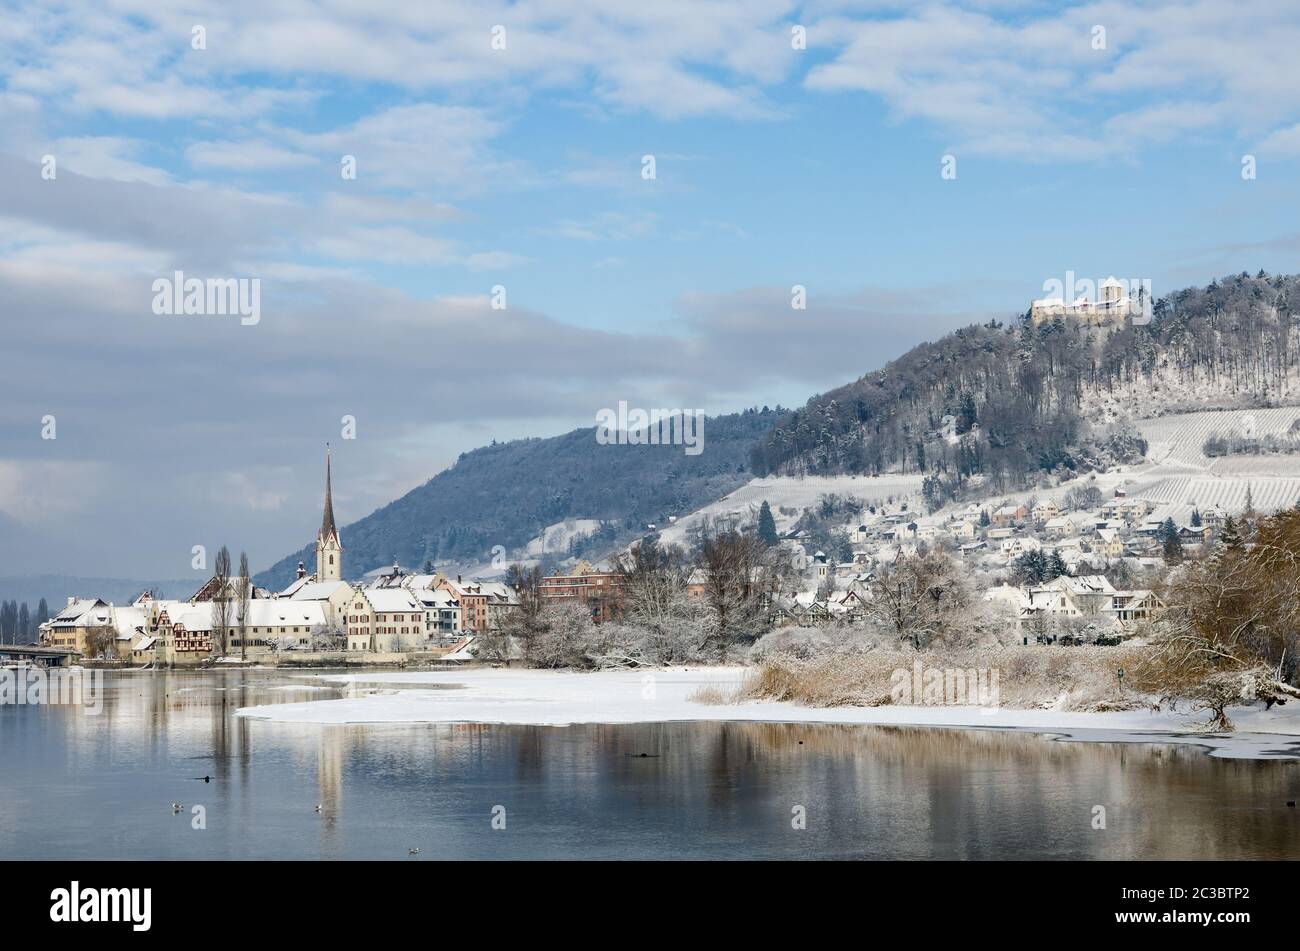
(79, 786)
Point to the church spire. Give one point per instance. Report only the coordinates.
(327, 524)
(329, 548)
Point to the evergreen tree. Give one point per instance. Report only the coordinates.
(1196, 518)
(24, 625)
(1230, 537)
(984, 518)
(1173, 545)
(1248, 515)
(966, 416)
(1056, 566)
(932, 492)
(42, 614)
(1030, 568)
(766, 525)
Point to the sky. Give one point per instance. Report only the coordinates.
(914, 167)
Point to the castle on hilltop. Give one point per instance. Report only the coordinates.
(1114, 303)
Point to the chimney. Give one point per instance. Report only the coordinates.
(71, 599)
(457, 582)
(302, 571)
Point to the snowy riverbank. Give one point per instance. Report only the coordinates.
(559, 698)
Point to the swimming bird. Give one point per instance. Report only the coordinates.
(412, 851)
(318, 805)
(176, 807)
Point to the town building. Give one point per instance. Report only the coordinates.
(601, 592)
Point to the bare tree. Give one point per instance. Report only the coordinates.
(738, 583)
(101, 642)
(658, 608)
(524, 623)
(221, 602)
(243, 593)
(917, 597)
(1230, 633)
(325, 637)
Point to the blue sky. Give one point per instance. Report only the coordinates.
(522, 167)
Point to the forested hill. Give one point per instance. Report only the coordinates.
(1013, 394)
(506, 493)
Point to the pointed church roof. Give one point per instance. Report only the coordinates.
(327, 527)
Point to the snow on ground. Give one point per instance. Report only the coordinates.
(793, 492)
(559, 698)
(556, 538)
(1180, 437)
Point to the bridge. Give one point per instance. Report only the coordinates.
(40, 656)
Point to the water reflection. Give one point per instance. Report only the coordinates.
(74, 785)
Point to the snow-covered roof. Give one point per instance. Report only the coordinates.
(129, 621)
(83, 612)
(385, 600)
(298, 585)
(262, 612)
(319, 590)
(435, 597)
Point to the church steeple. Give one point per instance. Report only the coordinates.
(329, 549)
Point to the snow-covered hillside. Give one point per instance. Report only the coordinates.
(794, 493)
(556, 538)
(1177, 476)
(1180, 438)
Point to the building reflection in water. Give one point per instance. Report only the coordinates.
(98, 786)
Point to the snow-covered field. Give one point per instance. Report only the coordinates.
(558, 698)
(1179, 438)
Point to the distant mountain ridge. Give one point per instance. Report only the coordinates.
(507, 493)
(56, 589)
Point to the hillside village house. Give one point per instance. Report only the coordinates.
(1131, 606)
(964, 531)
(1020, 545)
(1062, 525)
(1086, 597)
(1045, 511)
(1109, 544)
(1009, 515)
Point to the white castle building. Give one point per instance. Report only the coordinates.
(1114, 303)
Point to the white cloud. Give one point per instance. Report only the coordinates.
(244, 156)
(1032, 85)
(107, 156)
